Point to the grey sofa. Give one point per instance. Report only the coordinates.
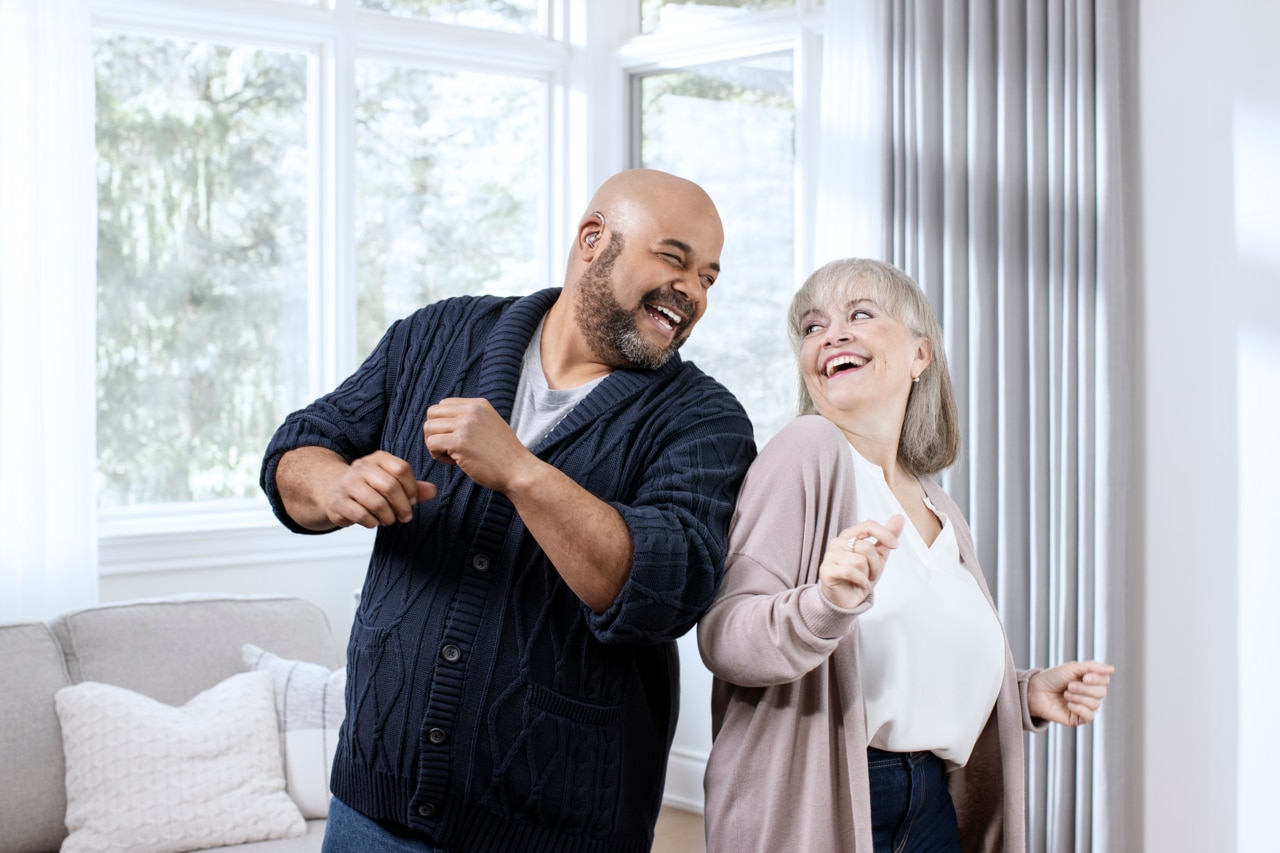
(169, 649)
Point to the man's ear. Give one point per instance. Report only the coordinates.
(590, 230)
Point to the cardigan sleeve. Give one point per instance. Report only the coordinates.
(770, 624)
(352, 419)
(679, 522)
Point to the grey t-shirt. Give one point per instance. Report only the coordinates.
(538, 408)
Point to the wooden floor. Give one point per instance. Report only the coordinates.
(678, 832)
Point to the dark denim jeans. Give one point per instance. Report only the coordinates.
(349, 831)
(911, 809)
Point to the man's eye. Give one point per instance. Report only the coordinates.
(674, 259)
(708, 280)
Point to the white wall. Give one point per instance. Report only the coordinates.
(324, 569)
(1209, 116)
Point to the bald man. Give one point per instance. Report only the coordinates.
(552, 487)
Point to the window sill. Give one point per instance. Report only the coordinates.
(219, 535)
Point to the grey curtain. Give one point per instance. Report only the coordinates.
(980, 146)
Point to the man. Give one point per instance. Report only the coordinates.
(552, 487)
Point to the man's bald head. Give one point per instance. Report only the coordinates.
(643, 200)
(641, 192)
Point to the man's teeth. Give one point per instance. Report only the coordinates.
(671, 316)
(842, 361)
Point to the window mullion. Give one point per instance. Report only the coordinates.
(339, 319)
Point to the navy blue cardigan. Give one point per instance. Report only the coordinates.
(488, 708)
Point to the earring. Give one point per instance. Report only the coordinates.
(915, 380)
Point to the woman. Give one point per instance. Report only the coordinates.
(846, 720)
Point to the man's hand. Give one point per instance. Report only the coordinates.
(1069, 694)
(321, 491)
(584, 538)
(855, 560)
(469, 433)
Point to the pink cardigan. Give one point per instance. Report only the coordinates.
(788, 767)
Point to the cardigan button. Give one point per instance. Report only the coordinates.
(426, 809)
(451, 653)
(437, 736)
(480, 562)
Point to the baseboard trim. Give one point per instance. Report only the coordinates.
(685, 769)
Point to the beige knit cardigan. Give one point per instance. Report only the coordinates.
(788, 766)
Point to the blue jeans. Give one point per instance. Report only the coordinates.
(349, 831)
(911, 809)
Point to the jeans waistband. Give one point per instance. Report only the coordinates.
(912, 759)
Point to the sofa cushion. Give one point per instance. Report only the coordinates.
(171, 649)
(310, 707)
(148, 777)
(309, 843)
(32, 804)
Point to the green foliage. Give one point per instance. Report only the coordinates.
(202, 263)
(447, 175)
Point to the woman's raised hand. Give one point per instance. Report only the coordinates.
(1070, 693)
(855, 560)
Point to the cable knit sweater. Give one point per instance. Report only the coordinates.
(788, 766)
(487, 708)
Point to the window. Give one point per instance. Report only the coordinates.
(517, 15)
(277, 183)
(734, 125)
(748, 107)
(447, 189)
(203, 184)
(658, 15)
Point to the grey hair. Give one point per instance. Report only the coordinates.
(930, 440)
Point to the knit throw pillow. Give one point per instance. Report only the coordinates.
(310, 709)
(151, 778)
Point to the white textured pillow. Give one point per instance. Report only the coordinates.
(310, 705)
(147, 777)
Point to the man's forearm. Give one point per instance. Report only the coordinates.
(583, 537)
(299, 476)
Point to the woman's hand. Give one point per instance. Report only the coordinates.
(855, 560)
(1069, 694)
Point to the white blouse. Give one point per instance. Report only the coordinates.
(931, 649)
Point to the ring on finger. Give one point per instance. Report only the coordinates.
(854, 540)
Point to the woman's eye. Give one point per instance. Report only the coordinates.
(861, 315)
(811, 328)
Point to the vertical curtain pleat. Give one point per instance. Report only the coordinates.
(48, 223)
(1003, 185)
(1111, 738)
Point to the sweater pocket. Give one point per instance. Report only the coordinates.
(563, 769)
(375, 684)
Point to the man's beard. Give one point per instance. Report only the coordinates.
(611, 330)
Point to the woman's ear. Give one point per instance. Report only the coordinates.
(923, 356)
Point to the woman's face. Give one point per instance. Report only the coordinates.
(858, 361)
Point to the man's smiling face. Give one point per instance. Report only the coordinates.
(640, 298)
